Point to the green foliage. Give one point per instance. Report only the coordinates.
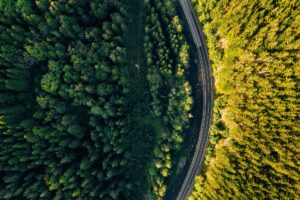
(166, 57)
(50, 83)
(253, 151)
(73, 123)
(48, 96)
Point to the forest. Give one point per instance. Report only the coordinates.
(78, 118)
(254, 48)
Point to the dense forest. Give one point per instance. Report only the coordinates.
(166, 67)
(75, 122)
(254, 47)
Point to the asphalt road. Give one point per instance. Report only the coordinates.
(205, 78)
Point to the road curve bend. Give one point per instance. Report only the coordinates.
(205, 77)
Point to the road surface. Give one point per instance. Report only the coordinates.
(205, 78)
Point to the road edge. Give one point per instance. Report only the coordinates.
(205, 76)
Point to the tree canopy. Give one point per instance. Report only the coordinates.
(254, 47)
(68, 124)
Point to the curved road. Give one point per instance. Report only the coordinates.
(205, 78)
